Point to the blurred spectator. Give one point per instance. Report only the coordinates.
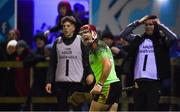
(13, 34)
(107, 37)
(117, 47)
(38, 53)
(64, 9)
(39, 73)
(120, 47)
(22, 79)
(40, 41)
(7, 74)
(79, 12)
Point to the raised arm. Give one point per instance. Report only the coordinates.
(127, 33)
(169, 35)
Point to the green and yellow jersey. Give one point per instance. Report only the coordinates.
(95, 59)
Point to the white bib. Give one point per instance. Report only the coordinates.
(69, 65)
(145, 66)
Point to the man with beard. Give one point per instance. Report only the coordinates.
(107, 89)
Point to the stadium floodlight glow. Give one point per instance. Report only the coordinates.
(162, 1)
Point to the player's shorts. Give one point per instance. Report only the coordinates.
(110, 93)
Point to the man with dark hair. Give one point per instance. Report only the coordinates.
(67, 67)
(148, 60)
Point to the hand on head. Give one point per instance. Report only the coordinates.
(141, 21)
(147, 17)
(156, 21)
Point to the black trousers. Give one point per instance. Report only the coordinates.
(146, 95)
(62, 91)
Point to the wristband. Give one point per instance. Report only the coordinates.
(100, 84)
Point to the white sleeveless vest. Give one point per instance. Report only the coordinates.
(69, 61)
(145, 62)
